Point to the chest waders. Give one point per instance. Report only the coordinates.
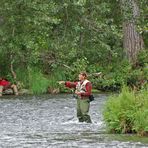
(83, 104)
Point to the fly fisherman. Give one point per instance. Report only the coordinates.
(82, 90)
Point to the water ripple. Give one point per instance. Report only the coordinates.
(49, 121)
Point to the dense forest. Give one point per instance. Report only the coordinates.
(42, 42)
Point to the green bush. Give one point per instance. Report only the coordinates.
(141, 115)
(34, 80)
(127, 112)
(114, 76)
(37, 82)
(143, 57)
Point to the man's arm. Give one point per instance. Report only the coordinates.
(68, 84)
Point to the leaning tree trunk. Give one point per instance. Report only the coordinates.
(132, 40)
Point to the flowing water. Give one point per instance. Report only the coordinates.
(49, 121)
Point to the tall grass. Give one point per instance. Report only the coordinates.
(38, 83)
(54, 77)
(23, 77)
(127, 112)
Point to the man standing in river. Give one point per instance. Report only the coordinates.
(82, 90)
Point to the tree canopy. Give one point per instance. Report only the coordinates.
(60, 38)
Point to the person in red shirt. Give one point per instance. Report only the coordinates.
(82, 90)
(5, 84)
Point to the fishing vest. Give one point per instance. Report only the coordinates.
(81, 87)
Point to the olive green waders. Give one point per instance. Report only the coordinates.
(83, 109)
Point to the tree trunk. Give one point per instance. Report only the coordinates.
(12, 68)
(132, 40)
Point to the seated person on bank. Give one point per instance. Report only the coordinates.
(5, 84)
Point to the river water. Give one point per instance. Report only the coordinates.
(49, 121)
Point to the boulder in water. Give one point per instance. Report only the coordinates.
(8, 92)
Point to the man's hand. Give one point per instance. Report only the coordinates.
(78, 93)
(61, 82)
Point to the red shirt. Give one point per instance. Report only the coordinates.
(88, 87)
(4, 83)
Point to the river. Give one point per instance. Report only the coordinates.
(49, 121)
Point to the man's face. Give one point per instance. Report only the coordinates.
(81, 77)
